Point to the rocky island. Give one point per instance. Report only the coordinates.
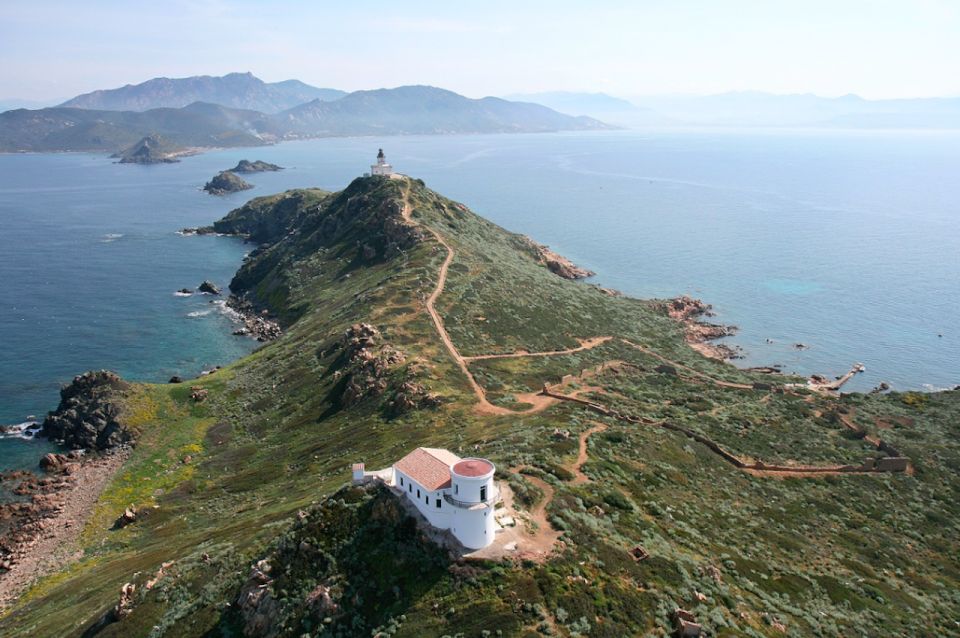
(653, 489)
(257, 166)
(226, 182)
(152, 149)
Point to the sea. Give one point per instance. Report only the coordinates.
(847, 242)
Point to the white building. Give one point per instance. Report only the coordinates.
(451, 493)
(381, 167)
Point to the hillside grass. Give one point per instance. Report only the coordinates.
(835, 555)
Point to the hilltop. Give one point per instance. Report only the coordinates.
(152, 149)
(668, 479)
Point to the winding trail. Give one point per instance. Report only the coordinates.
(548, 396)
(577, 467)
(538, 401)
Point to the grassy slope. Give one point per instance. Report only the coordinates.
(824, 556)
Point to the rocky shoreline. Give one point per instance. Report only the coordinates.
(697, 333)
(38, 531)
(256, 324)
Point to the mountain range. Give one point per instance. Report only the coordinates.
(755, 108)
(236, 90)
(406, 110)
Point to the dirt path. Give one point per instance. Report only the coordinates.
(576, 468)
(55, 548)
(538, 402)
(585, 344)
(545, 538)
(483, 406)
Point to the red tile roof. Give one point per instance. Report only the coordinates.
(430, 467)
(473, 467)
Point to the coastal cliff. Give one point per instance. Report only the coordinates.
(646, 472)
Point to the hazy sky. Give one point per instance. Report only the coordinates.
(876, 48)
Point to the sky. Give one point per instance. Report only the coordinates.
(52, 49)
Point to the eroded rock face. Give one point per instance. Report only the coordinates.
(88, 416)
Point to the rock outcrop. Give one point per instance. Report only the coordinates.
(367, 366)
(89, 415)
(557, 264)
(226, 182)
(687, 311)
(208, 287)
(257, 166)
(152, 149)
(255, 324)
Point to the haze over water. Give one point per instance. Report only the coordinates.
(846, 242)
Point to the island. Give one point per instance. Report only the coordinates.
(226, 182)
(152, 149)
(425, 364)
(257, 166)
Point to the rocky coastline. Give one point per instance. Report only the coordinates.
(557, 264)
(46, 511)
(256, 323)
(698, 333)
(37, 531)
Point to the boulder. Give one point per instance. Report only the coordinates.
(208, 287)
(129, 516)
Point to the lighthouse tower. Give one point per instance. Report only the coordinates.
(381, 167)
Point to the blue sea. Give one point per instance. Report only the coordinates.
(847, 242)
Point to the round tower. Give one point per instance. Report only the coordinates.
(474, 496)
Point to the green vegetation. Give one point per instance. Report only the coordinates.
(848, 554)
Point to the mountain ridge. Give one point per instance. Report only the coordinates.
(234, 90)
(398, 111)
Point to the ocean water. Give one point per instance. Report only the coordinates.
(847, 242)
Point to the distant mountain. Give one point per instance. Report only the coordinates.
(236, 90)
(604, 107)
(8, 104)
(70, 129)
(576, 103)
(400, 111)
(750, 108)
(422, 110)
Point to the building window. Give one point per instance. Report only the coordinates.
(426, 499)
(456, 489)
(438, 503)
(410, 488)
(401, 481)
(418, 493)
(483, 493)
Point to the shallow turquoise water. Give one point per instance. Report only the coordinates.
(847, 242)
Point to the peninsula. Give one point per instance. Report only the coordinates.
(642, 488)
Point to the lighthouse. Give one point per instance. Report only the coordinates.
(381, 167)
